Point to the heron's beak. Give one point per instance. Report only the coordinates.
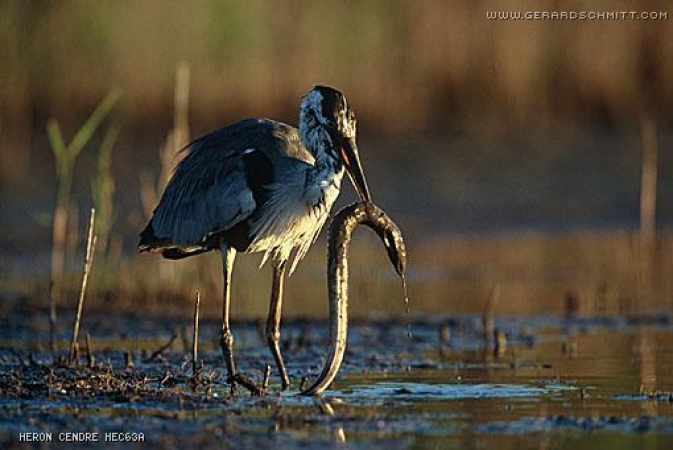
(351, 159)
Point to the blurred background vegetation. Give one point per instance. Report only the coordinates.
(486, 140)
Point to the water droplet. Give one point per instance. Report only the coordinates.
(406, 306)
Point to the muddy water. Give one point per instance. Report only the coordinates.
(546, 382)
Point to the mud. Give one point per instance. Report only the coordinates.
(544, 380)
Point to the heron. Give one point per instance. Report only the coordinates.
(340, 232)
(259, 185)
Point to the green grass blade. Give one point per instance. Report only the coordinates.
(55, 137)
(89, 127)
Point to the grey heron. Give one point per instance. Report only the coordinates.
(340, 231)
(259, 185)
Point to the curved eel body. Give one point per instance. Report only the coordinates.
(340, 233)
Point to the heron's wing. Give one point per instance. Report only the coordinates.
(211, 189)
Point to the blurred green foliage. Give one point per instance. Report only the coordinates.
(406, 65)
(103, 187)
(415, 72)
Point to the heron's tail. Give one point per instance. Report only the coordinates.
(149, 242)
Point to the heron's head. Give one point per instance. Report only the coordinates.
(325, 113)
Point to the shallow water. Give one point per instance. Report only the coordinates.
(587, 382)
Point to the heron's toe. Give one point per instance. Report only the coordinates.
(247, 383)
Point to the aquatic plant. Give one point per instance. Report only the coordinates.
(65, 155)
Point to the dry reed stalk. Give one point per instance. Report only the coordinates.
(444, 333)
(500, 339)
(648, 200)
(489, 311)
(74, 354)
(267, 375)
(88, 263)
(181, 100)
(128, 360)
(195, 336)
(90, 359)
(176, 139)
(255, 391)
(162, 349)
(57, 264)
(571, 304)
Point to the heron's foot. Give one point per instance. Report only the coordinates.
(251, 386)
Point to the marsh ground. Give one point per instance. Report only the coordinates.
(554, 382)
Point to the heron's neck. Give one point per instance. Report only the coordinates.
(319, 143)
(317, 140)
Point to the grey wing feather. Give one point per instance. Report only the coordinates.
(209, 191)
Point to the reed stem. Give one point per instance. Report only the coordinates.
(88, 263)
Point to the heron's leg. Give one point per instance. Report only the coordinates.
(227, 338)
(273, 321)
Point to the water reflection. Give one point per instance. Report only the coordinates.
(381, 391)
(573, 373)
